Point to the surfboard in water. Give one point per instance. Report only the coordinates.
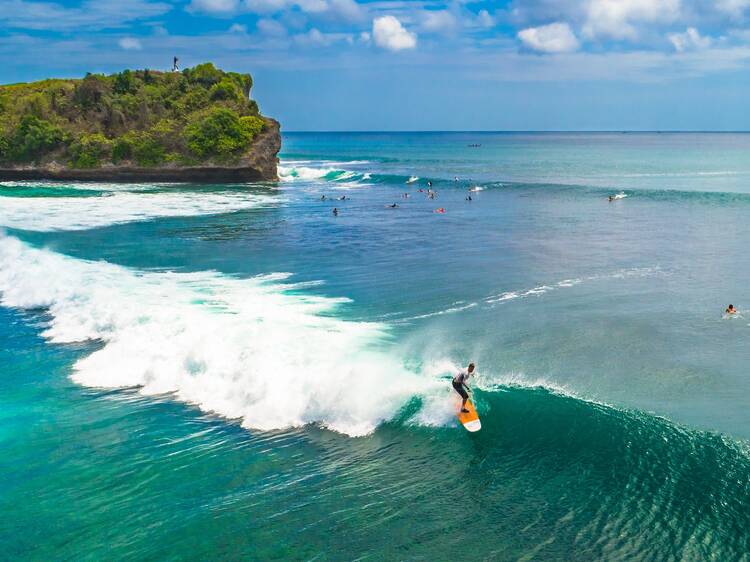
(469, 420)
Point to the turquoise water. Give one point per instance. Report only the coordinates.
(231, 372)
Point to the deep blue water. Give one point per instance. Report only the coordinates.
(233, 372)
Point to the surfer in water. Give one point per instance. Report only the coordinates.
(730, 310)
(460, 385)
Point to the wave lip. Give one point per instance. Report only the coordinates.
(244, 349)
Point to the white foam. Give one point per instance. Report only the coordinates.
(87, 186)
(293, 172)
(456, 307)
(510, 295)
(245, 349)
(565, 283)
(79, 213)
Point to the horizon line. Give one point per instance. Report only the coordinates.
(537, 131)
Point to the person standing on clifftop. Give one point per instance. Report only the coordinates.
(175, 65)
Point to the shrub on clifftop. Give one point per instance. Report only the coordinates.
(33, 138)
(222, 133)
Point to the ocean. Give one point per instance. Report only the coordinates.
(232, 372)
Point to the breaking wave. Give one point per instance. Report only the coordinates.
(245, 349)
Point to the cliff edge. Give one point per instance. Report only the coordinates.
(198, 125)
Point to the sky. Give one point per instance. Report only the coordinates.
(419, 65)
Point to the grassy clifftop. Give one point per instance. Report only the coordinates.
(200, 117)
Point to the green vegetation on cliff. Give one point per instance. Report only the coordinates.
(144, 118)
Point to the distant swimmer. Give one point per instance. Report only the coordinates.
(460, 385)
(322, 197)
(343, 198)
(335, 212)
(455, 179)
(406, 195)
(730, 310)
(429, 184)
(611, 198)
(394, 206)
(468, 198)
(441, 210)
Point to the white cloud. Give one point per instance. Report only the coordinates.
(213, 6)
(346, 9)
(20, 14)
(552, 38)
(317, 38)
(237, 28)
(615, 18)
(314, 37)
(484, 19)
(312, 6)
(388, 33)
(689, 40)
(264, 6)
(733, 8)
(130, 44)
(271, 28)
(438, 21)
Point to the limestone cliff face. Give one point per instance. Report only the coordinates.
(198, 125)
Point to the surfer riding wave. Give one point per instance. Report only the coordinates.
(460, 385)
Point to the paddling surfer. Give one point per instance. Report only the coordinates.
(460, 385)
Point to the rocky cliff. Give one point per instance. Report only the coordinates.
(198, 125)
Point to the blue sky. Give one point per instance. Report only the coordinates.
(419, 65)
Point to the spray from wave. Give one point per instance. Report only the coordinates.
(245, 349)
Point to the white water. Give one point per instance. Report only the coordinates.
(334, 172)
(80, 213)
(243, 348)
(291, 172)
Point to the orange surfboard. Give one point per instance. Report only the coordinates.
(469, 420)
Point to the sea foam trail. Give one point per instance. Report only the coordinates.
(80, 213)
(242, 348)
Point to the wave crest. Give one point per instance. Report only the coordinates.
(245, 349)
